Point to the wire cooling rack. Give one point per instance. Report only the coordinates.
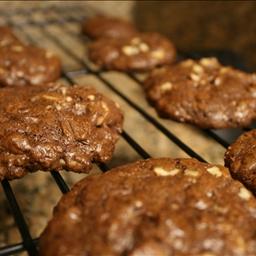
(59, 30)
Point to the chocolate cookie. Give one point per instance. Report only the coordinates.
(27, 65)
(154, 207)
(54, 129)
(101, 26)
(240, 158)
(204, 93)
(7, 37)
(140, 53)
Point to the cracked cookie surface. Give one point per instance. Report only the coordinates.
(204, 93)
(154, 207)
(55, 128)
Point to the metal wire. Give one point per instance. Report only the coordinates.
(74, 14)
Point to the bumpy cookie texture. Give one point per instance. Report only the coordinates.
(140, 53)
(101, 26)
(204, 93)
(27, 65)
(7, 37)
(240, 158)
(154, 207)
(54, 129)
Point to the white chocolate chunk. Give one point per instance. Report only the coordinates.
(158, 54)
(167, 86)
(130, 50)
(192, 173)
(159, 171)
(215, 171)
(244, 194)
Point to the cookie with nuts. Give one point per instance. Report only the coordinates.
(102, 26)
(203, 92)
(7, 37)
(143, 52)
(240, 158)
(55, 128)
(22, 65)
(154, 207)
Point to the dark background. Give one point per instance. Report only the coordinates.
(203, 25)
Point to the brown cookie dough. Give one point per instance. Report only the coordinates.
(154, 207)
(7, 37)
(101, 26)
(56, 128)
(240, 158)
(140, 53)
(27, 65)
(203, 93)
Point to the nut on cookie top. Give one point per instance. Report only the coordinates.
(138, 53)
(55, 127)
(203, 92)
(154, 207)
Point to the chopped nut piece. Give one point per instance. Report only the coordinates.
(209, 62)
(194, 77)
(224, 70)
(100, 121)
(69, 99)
(198, 69)
(105, 107)
(187, 63)
(158, 54)
(215, 171)
(166, 86)
(91, 97)
(201, 205)
(17, 48)
(63, 90)
(217, 81)
(192, 173)
(244, 193)
(50, 97)
(117, 105)
(48, 107)
(49, 54)
(143, 47)
(130, 50)
(58, 107)
(80, 108)
(62, 161)
(159, 171)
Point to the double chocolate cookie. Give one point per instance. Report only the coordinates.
(140, 53)
(101, 26)
(27, 65)
(55, 128)
(154, 207)
(22, 64)
(240, 158)
(203, 93)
